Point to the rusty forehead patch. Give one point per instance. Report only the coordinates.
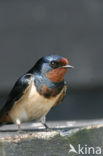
(63, 61)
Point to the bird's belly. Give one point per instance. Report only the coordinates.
(32, 106)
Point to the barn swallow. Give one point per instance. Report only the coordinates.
(36, 92)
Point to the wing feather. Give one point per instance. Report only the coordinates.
(16, 93)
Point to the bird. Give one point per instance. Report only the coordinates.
(36, 92)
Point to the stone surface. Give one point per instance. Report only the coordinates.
(56, 142)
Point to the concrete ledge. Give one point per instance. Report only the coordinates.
(56, 142)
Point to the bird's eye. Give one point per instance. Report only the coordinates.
(53, 64)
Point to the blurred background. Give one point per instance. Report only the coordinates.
(31, 29)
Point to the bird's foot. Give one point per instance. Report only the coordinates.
(47, 129)
(20, 131)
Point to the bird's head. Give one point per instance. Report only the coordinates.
(54, 67)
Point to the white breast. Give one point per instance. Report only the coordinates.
(32, 105)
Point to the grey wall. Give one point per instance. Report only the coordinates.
(30, 29)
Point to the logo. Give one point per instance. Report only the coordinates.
(85, 149)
